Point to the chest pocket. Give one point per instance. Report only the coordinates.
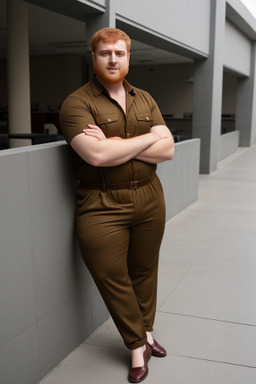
(108, 122)
(144, 122)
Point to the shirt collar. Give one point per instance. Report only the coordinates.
(98, 88)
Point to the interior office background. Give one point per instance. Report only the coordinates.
(60, 62)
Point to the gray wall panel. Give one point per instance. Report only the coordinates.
(63, 329)
(237, 52)
(180, 177)
(19, 360)
(52, 198)
(228, 144)
(16, 270)
(47, 296)
(192, 32)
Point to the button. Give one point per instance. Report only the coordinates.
(147, 118)
(109, 120)
(128, 134)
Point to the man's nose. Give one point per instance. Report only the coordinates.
(113, 57)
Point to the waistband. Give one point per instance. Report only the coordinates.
(134, 184)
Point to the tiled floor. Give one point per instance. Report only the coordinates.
(206, 314)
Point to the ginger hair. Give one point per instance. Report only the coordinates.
(110, 35)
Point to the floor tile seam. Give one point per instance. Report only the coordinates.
(192, 225)
(241, 150)
(177, 264)
(176, 286)
(91, 344)
(183, 212)
(229, 266)
(207, 318)
(201, 206)
(215, 361)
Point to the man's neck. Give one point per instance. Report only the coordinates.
(112, 88)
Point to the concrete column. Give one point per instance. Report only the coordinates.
(245, 104)
(18, 71)
(207, 98)
(98, 21)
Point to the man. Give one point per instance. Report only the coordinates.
(118, 136)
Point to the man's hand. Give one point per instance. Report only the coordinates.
(95, 132)
(161, 150)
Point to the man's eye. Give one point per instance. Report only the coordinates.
(104, 53)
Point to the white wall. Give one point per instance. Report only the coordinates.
(237, 50)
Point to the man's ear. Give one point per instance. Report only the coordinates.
(93, 57)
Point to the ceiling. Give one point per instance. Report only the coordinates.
(51, 33)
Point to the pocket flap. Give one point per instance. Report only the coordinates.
(106, 118)
(144, 116)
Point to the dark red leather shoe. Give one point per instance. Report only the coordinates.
(157, 349)
(137, 374)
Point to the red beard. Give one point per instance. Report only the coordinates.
(103, 74)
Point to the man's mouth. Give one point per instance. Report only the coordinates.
(112, 69)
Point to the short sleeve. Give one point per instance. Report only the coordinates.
(74, 117)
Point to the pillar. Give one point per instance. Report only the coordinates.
(207, 98)
(18, 71)
(245, 104)
(98, 21)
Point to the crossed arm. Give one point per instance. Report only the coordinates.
(99, 151)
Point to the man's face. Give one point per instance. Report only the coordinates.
(111, 61)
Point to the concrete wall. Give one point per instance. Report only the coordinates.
(228, 144)
(237, 50)
(99, 2)
(192, 32)
(179, 177)
(49, 303)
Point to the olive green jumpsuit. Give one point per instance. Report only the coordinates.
(120, 211)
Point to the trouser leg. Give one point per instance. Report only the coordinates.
(104, 248)
(143, 254)
(121, 231)
(143, 270)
